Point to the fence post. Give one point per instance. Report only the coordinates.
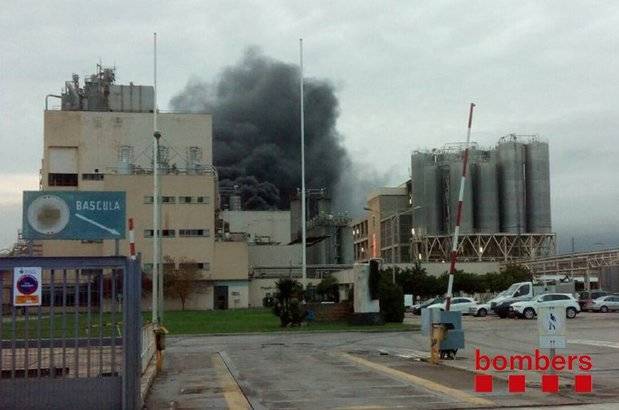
(132, 334)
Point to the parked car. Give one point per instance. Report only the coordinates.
(585, 298)
(503, 310)
(524, 290)
(528, 309)
(458, 304)
(605, 303)
(416, 309)
(480, 309)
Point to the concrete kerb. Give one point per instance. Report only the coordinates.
(147, 380)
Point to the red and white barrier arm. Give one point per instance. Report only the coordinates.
(454, 242)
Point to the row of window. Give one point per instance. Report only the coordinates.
(181, 200)
(183, 233)
(62, 179)
(205, 266)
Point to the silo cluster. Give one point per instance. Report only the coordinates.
(507, 189)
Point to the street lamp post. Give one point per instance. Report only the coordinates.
(303, 210)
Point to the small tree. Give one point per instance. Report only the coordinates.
(287, 307)
(180, 281)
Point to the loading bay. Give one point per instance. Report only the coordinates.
(359, 370)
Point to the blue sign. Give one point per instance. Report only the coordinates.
(85, 215)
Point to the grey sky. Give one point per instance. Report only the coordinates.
(405, 72)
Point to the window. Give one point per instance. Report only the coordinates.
(547, 298)
(185, 199)
(62, 179)
(203, 200)
(524, 290)
(164, 199)
(93, 177)
(92, 241)
(561, 297)
(193, 232)
(166, 233)
(204, 266)
(69, 297)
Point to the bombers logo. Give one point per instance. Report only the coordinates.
(533, 362)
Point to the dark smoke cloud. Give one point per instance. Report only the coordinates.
(256, 129)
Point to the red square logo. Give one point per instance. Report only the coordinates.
(516, 383)
(483, 383)
(550, 383)
(582, 383)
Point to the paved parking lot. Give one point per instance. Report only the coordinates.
(371, 370)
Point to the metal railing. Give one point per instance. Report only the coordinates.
(81, 344)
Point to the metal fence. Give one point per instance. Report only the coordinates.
(80, 348)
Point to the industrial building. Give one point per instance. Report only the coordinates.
(506, 211)
(329, 234)
(101, 140)
(505, 215)
(386, 233)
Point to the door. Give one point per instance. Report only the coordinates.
(221, 297)
(612, 302)
(523, 291)
(458, 305)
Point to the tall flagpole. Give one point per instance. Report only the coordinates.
(303, 210)
(156, 254)
(454, 241)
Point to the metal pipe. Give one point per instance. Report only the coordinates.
(303, 210)
(454, 244)
(47, 97)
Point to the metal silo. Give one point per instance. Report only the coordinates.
(538, 187)
(455, 177)
(432, 199)
(486, 193)
(511, 160)
(418, 161)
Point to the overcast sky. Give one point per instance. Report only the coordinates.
(405, 72)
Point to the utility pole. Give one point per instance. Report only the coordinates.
(454, 242)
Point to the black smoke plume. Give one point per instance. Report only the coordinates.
(256, 130)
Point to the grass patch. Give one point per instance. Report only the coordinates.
(178, 323)
(255, 320)
(61, 326)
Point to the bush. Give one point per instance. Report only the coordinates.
(328, 289)
(268, 301)
(288, 304)
(391, 301)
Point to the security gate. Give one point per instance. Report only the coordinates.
(81, 347)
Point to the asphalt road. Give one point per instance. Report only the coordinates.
(373, 370)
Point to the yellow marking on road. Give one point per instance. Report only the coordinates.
(232, 392)
(419, 381)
